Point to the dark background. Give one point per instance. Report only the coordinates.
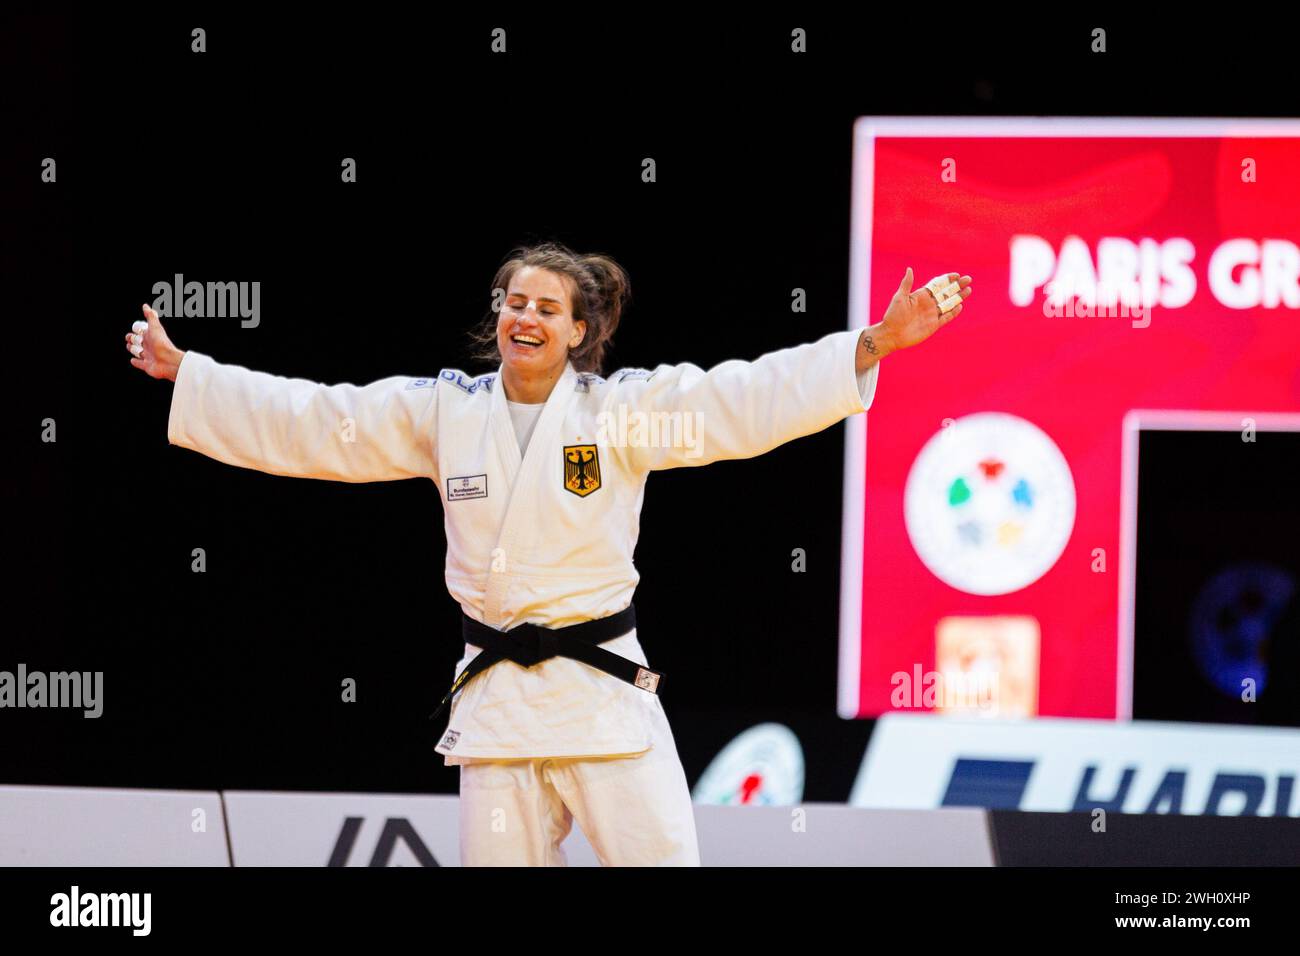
(1218, 585)
(225, 167)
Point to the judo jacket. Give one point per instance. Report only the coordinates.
(544, 538)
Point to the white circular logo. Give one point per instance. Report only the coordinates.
(761, 767)
(989, 503)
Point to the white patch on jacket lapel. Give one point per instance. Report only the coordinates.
(467, 486)
(449, 741)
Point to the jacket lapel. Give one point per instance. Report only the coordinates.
(522, 472)
(503, 431)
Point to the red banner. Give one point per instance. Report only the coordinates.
(1117, 265)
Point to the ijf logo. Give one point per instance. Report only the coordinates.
(763, 766)
(989, 504)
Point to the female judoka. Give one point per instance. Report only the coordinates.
(541, 465)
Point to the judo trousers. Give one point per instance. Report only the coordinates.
(635, 810)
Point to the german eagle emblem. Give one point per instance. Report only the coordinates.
(581, 469)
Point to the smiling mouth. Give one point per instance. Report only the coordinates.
(526, 341)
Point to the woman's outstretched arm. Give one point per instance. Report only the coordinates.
(288, 426)
(682, 416)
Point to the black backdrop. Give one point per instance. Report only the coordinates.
(225, 166)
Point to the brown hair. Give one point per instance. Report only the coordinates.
(598, 289)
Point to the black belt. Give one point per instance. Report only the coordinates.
(530, 644)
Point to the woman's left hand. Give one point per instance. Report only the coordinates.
(912, 317)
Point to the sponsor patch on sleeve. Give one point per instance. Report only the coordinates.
(588, 379)
(469, 386)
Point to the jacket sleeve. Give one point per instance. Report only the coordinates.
(681, 416)
(290, 426)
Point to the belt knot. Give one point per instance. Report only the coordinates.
(531, 644)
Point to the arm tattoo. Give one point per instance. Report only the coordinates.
(869, 345)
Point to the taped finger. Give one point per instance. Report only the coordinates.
(943, 289)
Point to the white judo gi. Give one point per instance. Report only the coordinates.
(546, 538)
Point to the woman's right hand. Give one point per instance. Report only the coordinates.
(151, 349)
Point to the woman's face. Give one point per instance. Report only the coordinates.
(537, 309)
